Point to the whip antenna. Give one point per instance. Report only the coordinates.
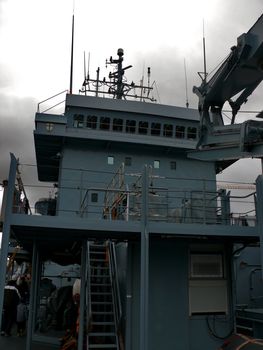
(186, 88)
(204, 53)
(72, 49)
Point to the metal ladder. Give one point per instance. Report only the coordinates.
(102, 330)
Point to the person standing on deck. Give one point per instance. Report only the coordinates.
(11, 300)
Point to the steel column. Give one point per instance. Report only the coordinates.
(33, 297)
(128, 338)
(259, 211)
(83, 285)
(144, 289)
(6, 229)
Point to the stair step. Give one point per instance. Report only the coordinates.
(102, 334)
(98, 260)
(101, 303)
(96, 245)
(98, 251)
(101, 293)
(102, 312)
(102, 346)
(103, 323)
(100, 276)
(100, 284)
(99, 267)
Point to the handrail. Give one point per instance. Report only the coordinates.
(21, 205)
(88, 301)
(57, 104)
(49, 98)
(115, 287)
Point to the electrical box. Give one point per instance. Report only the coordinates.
(208, 296)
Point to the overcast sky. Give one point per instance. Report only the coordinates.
(35, 37)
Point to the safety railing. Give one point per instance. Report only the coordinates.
(91, 194)
(88, 294)
(21, 203)
(54, 104)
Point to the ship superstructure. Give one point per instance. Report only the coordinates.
(139, 215)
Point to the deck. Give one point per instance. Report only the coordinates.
(19, 343)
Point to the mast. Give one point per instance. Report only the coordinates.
(71, 63)
(186, 88)
(116, 84)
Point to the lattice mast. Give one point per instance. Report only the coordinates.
(116, 83)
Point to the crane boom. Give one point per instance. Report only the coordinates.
(241, 72)
(236, 78)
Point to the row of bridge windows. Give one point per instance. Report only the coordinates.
(132, 126)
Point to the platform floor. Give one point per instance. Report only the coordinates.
(19, 343)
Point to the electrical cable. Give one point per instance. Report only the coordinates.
(213, 331)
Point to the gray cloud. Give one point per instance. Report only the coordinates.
(16, 130)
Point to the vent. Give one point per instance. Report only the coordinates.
(206, 266)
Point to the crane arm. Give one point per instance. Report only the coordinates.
(240, 73)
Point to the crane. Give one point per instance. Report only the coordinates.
(234, 81)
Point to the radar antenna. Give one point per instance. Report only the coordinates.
(117, 85)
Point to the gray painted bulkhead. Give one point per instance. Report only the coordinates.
(170, 322)
(79, 161)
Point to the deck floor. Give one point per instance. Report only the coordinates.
(19, 343)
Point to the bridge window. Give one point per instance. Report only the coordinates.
(104, 123)
(173, 165)
(156, 164)
(91, 122)
(117, 124)
(191, 133)
(143, 128)
(49, 126)
(168, 130)
(130, 126)
(110, 160)
(78, 121)
(94, 197)
(179, 132)
(156, 129)
(128, 161)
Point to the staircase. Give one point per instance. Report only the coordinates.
(102, 330)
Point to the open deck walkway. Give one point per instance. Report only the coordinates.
(19, 343)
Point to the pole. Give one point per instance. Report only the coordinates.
(71, 64)
(205, 73)
(144, 290)
(83, 289)
(7, 229)
(33, 296)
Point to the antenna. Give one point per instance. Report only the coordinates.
(72, 49)
(85, 70)
(205, 73)
(142, 80)
(186, 89)
(149, 77)
(97, 81)
(116, 84)
(88, 65)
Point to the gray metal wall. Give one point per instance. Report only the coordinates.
(170, 325)
(97, 173)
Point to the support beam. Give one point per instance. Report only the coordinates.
(259, 211)
(33, 297)
(83, 289)
(144, 286)
(6, 229)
